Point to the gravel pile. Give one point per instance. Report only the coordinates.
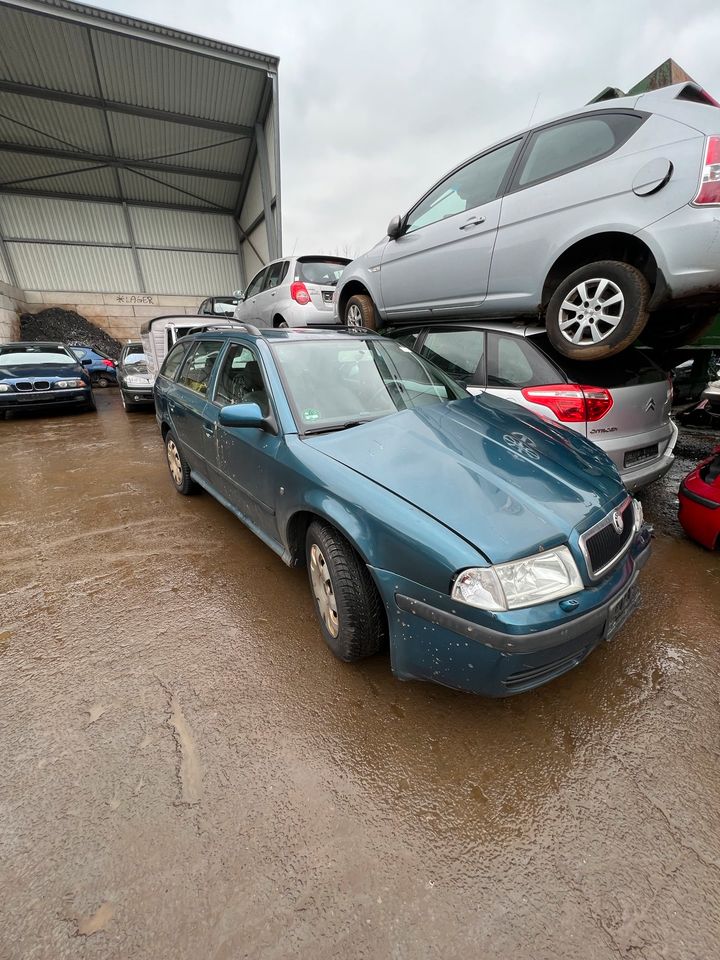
(67, 326)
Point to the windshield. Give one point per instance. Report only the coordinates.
(339, 383)
(323, 270)
(34, 356)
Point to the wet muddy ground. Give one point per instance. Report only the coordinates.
(186, 772)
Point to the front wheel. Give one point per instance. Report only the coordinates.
(178, 466)
(360, 312)
(346, 600)
(598, 310)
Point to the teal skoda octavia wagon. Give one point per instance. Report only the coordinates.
(491, 549)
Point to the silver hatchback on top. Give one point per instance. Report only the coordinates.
(292, 292)
(593, 223)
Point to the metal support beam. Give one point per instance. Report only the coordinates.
(115, 246)
(266, 187)
(9, 265)
(93, 198)
(113, 106)
(117, 162)
(276, 130)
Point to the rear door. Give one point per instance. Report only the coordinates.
(440, 264)
(188, 403)
(247, 310)
(267, 300)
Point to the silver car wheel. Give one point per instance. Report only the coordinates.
(173, 457)
(591, 311)
(353, 317)
(323, 590)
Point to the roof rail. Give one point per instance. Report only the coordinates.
(251, 328)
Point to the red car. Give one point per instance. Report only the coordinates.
(699, 497)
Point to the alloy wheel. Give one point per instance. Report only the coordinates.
(323, 590)
(174, 462)
(353, 317)
(591, 311)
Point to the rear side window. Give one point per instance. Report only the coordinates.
(173, 361)
(275, 274)
(513, 363)
(567, 146)
(460, 353)
(198, 368)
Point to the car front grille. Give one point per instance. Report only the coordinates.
(604, 544)
(24, 386)
(41, 385)
(534, 676)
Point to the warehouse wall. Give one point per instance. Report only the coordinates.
(12, 304)
(71, 245)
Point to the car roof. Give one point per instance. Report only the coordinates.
(34, 343)
(287, 334)
(519, 328)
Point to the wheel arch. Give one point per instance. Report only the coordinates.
(278, 319)
(297, 524)
(609, 245)
(351, 289)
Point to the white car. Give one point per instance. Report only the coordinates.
(292, 292)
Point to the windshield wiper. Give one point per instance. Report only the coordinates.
(338, 426)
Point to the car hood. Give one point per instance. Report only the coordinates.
(43, 370)
(505, 480)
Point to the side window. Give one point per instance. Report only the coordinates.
(273, 275)
(256, 283)
(241, 380)
(198, 368)
(173, 361)
(460, 353)
(476, 183)
(514, 363)
(565, 146)
(409, 339)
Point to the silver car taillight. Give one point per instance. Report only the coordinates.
(709, 192)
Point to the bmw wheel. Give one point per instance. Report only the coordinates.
(347, 602)
(360, 312)
(598, 310)
(178, 466)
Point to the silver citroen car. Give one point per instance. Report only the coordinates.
(593, 223)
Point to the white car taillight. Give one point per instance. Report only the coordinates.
(709, 192)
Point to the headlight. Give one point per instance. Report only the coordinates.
(69, 384)
(4, 387)
(639, 515)
(521, 583)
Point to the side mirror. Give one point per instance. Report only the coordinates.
(240, 294)
(394, 228)
(86, 363)
(242, 415)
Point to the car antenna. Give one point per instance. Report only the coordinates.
(532, 114)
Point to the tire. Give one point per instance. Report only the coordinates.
(101, 381)
(91, 406)
(360, 312)
(340, 580)
(598, 330)
(280, 324)
(178, 466)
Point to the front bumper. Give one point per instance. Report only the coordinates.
(513, 655)
(645, 473)
(45, 398)
(137, 394)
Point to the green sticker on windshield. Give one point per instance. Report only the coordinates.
(311, 414)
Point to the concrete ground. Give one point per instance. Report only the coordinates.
(186, 772)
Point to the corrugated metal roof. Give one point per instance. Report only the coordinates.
(34, 218)
(191, 274)
(99, 105)
(42, 266)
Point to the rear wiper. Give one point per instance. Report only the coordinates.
(339, 426)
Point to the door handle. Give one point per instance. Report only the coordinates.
(476, 221)
(209, 429)
(171, 406)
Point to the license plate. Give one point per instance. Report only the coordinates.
(621, 609)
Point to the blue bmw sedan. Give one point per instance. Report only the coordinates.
(34, 374)
(492, 549)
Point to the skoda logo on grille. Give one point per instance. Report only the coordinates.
(523, 444)
(650, 405)
(617, 521)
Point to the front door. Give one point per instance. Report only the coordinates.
(440, 264)
(247, 310)
(188, 403)
(245, 454)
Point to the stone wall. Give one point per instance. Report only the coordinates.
(121, 315)
(12, 304)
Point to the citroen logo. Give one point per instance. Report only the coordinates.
(650, 405)
(617, 521)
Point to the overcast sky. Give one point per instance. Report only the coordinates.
(379, 99)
